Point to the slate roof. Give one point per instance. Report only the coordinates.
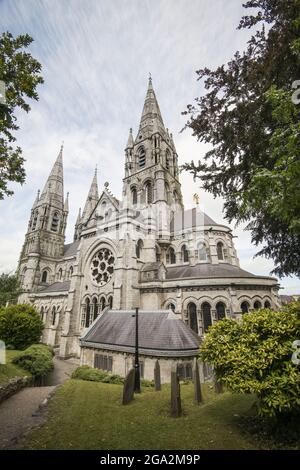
(207, 270)
(71, 248)
(192, 218)
(161, 333)
(57, 287)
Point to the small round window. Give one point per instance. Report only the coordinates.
(102, 266)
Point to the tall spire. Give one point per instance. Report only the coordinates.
(54, 187)
(151, 115)
(92, 198)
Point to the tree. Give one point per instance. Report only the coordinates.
(20, 325)
(248, 118)
(9, 288)
(254, 356)
(20, 73)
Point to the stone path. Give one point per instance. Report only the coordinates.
(19, 413)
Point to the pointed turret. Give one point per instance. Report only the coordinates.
(130, 142)
(36, 199)
(54, 187)
(92, 198)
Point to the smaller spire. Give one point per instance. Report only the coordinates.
(92, 198)
(37, 198)
(130, 142)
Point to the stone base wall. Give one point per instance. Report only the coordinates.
(13, 386)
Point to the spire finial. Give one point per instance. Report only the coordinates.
(150, 78)
(62, 146)
(96, 169)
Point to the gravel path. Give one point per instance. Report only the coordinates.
(19, 413)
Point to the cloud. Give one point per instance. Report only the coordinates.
(96, 58)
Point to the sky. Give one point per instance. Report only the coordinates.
(96, 57)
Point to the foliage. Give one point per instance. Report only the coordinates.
(21, 74)
(9, 288)
(254, 356)
(37, 359)
(96, 375)
(20, 325)
(247, 117)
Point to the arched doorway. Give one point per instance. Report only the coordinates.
(192, 315)
(206, 316)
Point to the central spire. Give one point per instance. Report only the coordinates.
(151, 115)
(54, 187)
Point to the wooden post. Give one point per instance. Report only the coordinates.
(175, 392)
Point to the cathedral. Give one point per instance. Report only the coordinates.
(145, 250)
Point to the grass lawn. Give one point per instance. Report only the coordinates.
(9, 371)
(88, 415)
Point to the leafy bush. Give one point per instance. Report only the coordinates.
(20, 325)
(254, 356)
(96, 375)
(37, 359)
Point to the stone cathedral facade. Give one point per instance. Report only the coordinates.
(143, 251)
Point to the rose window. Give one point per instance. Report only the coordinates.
(102, 266)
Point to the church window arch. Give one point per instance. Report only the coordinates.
(103, 208)
(53, 315)
(110, 301)
(142, 157)
(220, 310)
(203, 252)
(71, 270)
(148, 192)
(139, 248)
(206, 316)
(257, 305)
(134, 195)
(55, 222)
(192, 317)
(95, 307)
(44, 276)
(171, 256)
(220, 251)
(184, 254)
(245, 306)
(102, 303)
(171, 306)
(267, 304)
(59, 274)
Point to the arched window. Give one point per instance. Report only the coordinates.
(42, 313)
(142, 157)
(59, 274)
(192, 316)
(220, 310)
(71, 271)
(95, 308)
(203, 252)
(87, 312)
(220, 251)
(35, 218)
(44, 276)
(184, 254)
(206, 316)
(53, 317)
(110, 301)
(138, 249)
(134, 196)
(55, 222)
(103, 208)
(267, 304)
(102, 303)
(148, 192)
(171, 306)
(245, 307)
(257, 305)
(171, 256)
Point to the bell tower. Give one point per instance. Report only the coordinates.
(151, 161)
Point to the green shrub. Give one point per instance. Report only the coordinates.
(147, 383)
(254, 356)
(20, 325)
(37, 359)
(96, 375)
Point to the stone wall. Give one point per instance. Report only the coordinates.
(13, 386)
